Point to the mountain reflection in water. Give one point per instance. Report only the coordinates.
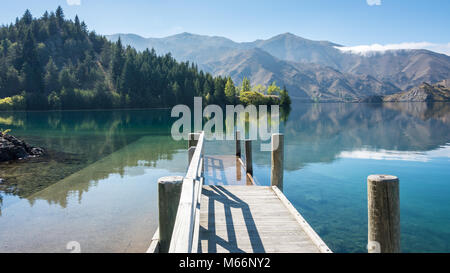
(98, 183)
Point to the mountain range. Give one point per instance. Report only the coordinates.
(311, 70)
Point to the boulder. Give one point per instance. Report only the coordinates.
(12, 148)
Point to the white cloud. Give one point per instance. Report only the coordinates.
(74, 2)
(377, 48)
(374, 2)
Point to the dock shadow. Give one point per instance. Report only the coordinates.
(229, 200)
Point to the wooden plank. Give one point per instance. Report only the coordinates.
(306, 227)
(248, 219)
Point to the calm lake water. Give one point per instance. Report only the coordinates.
(98, 183)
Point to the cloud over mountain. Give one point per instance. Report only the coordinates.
(369, 49)
(74, 2)
(374, 2)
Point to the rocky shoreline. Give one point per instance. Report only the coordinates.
(439, 92)
(12, 148)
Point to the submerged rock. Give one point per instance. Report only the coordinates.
(12, 148)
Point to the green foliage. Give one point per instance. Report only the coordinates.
(4, 132)
(246, 86)
(54, 101)
(273, 89)
(259, 88)
(54, 63)
(16, 102)
(285, 100)
(256, 98)
(230, 91)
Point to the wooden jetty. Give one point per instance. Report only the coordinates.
(218, 208)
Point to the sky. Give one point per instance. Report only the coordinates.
(362, 25)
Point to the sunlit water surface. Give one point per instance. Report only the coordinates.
(97, 185)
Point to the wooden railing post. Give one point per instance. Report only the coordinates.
(169, 190)
(248, 157)
(277, 162)
(384, 214)
(186, 220)
(238, 144)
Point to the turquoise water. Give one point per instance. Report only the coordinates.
(97, 186)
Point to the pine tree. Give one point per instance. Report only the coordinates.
(31, 69)
(51, 77)
(27, 18)
(207, 89)
(246, 86)
(117, 62)
(219, 91)
(285, 100)
(60, 16)
(77, 25)
(230, 91)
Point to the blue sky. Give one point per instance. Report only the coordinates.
(347, 22)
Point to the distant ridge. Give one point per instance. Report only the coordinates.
(312, 70)
(423, 93)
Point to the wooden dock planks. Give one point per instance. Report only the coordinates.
(253, 219)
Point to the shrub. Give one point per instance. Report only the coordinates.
(16, 102)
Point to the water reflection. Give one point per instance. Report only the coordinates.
(442, 152)
(98, 181)
(321, 132)
(75, 140)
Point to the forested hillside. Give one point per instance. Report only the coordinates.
(55, 63)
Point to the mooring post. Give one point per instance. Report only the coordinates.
(248, 157)
(169, 191)
(192, 144)
(238, 144)
(193, 139)
(191, 152)
(277, 162)
(383, 197)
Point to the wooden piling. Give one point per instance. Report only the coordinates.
(169, 190)
(248, 157)
(193, 139)
(238, 169)
(384, 214)
(238, 143)
(277, 162)
(191, 152)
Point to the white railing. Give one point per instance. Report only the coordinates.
(186, 228)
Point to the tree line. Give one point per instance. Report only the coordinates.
(55, 63)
